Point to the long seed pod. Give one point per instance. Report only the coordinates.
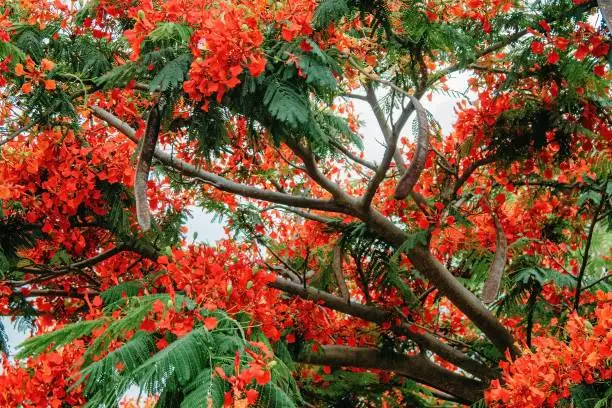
(143, 166)
(411, 176)
(337, 267)
(606, 11)
(496, 270)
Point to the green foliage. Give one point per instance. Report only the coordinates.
(209, 129)
(92, 61)
(271, 396)
(7, 48)
(30, 42)
(14, 236)
(182, 372)
(117, 292)
(342, 382)
(170, 32)
(172, 75)
(595, 395)
(286, 104)
(329, 11)
(119, 76)
(204, 388)
(59, 337)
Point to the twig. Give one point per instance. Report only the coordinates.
(585, 257)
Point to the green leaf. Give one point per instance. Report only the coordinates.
(7, 48)
(172, 74)
(329, 11)
(207, 388)
(30, 43)
(272, 396)
(38, 344)
(118, 76)
(286, 104)
(170, 32)
(117, 292)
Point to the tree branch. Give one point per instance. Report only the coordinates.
(219, 182)
(375, 315)
(143, 166)
(411, 176)
(418, 368)
(585, 257)
(353, 157)
(340, 196)
(496, 270)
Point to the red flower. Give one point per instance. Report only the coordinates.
(210, 323)
(537, 47)
(599, 70)
(552, 58)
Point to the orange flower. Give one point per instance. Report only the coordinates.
(26, 88)
(47, 65)
(19, 71)
(50, 84)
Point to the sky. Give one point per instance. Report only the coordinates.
(442, 107)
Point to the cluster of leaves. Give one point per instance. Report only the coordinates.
(210, 361)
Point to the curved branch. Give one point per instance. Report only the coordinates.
(606, 11)
(219, 182)
(418, 368)
(143, 166)
(411, 176)
(338, 256)
(376, 315)
(496, 270)
(18, 132)
(353, 157)
(379, 175)
(468, 172)
(310, 164)
(585, 257)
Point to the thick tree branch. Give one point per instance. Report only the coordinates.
(448, 285)
(427, 264)
(411, 176)
(332, 222)
(305, 154)
(94, 260)
(418, 368)
(444, 281)
(375, 315)
(219, 182)
(496, 270)
(60, 293)
(143, 166)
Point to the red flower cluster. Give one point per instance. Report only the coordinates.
(43, 381)
(223, 278)
(223, 48)
(55, 176)
(543, 377)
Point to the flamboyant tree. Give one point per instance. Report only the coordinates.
(461, 268)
